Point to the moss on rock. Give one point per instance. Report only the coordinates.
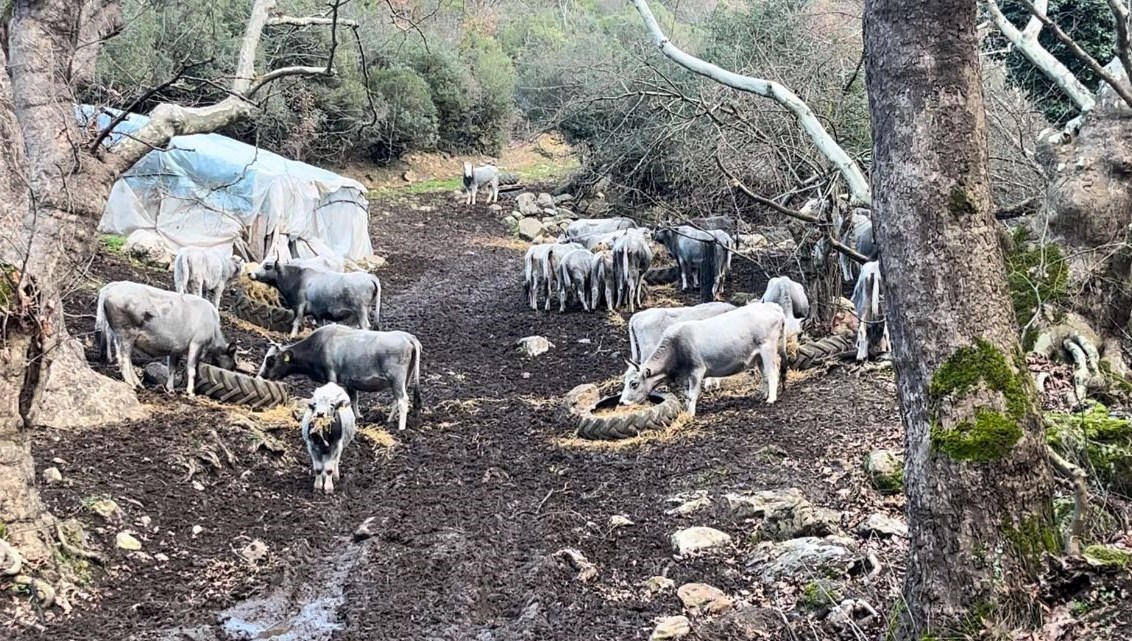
(1108, 556)
(1098, 441)
(992, 433)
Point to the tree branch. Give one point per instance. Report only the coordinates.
(283, 72)
(1080, 53)
(310, 21)
(1080, 499)
(1018, 209)
(858, 184)
(1027, 44)
(245, 64)
(1120, 14)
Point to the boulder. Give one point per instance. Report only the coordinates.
(803, 557)
(545, 201)
(740, 299)
(563, 198)
(530, 228)
(671, 628)
(155, 374)
(690, 506)
(699, 539)
(701, 599)
(533, 346)
(658, 584)
(527, 204)
(147, 247)
(107, 509)
(495, 207)
(881, 525)
(885, 469)
(785, 514)
(583, 397)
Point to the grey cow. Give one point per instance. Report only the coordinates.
(160, 323)
(322, 263)
(872, 330)
(602, 279)
(691, 247)
(204, 272)
(326, 296)
(646, 328)
(328, 426)
(632, 257)
(791, 297)
(540, 267)
(359, 360)
(584, 227)
(859, 237)
(483, 176)
(573, 278)
(719, 346)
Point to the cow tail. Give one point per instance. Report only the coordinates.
(180, 275)
(101, 331)
(707, 272)
(782, 358)
(874, 303)
(416, 377)
(376, 302)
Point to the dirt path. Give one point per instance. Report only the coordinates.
(478, 493)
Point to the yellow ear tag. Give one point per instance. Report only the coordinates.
(286, 357)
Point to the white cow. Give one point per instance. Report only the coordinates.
(203, 272)
(872, 330)
(791, 297)
(328, 426)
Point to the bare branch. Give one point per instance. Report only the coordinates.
(310, 21)
(1120, 14)
(1080, 53)
(1018, 209)
(854, 177)
(1027, 44)
(245, 64)
(283, 72)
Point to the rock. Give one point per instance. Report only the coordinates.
(197, 530)
(155, 374)
(618, 520)
(495, 207)
(551, 215)
(533, 346)
(819, 594)
(740, 299)
(107, 509)
(52, 476)
(586, 570)
(527, 204)
(145, 521)
(582, 398)
(1108, 556)
(701, 599)
(746, 622)
(126, 541)
(545, 201)
(885, 469)
(408, 176)
(688, 507)
(254, 552)
(699, 539)
(881, 525)
(160, 558)
(785, 514)
(530, 228)
(659, 584)
(851, 614)
(44, 593)
(806, 556)
(753, 241)
(563, 198)
(671, 628)
(148, 247)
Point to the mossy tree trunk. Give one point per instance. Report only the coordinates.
(976, 474)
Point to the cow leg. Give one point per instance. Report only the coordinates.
(683, 273)
(549, 291)
(172, 362)
(126, 363)
(862, 340)
(769, 356)
(216, 294)
(402, 403)
(191, 369)
(693, 388)
(581, 292)
(363, 317)
(608, 297)
(300, 311)
(563, 291)
(353, 394)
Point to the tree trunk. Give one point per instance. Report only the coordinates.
(976, 474)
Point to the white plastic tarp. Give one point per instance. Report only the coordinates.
(207, 188)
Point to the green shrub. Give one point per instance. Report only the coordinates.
(410, 121)
(1037, 275)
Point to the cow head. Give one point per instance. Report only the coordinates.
(268, 273)
(235, 265)
(276, 364)
(224, 356)
(639, 383)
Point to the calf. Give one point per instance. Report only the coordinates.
(540, 267)
(872, 330)
(791, 297)
(328, 426)
(474, 179)
(359, 360)
(859, 237)
(326, 296)
(632, 257)
(602, 282)
(573, 277)
(718, 346)
(203, 272)
(584, 227)
(646, 328)
(160, 323)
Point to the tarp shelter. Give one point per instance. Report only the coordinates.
(207, 190)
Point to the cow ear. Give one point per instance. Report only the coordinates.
(287, 356)
(632, 364)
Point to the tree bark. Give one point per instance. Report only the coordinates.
(976, 473)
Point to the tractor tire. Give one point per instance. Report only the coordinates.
(814, 353)
(233, 387)
(268, 317)
(663, 275)
(661, 411)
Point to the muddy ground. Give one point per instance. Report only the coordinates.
(473, 499)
